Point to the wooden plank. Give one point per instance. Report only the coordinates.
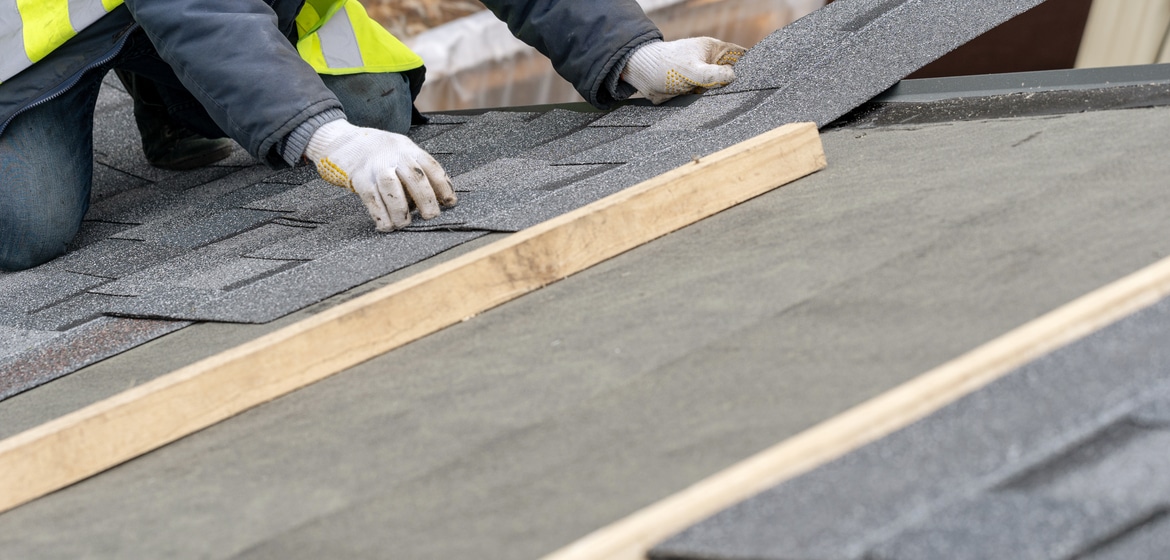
(100, 436)
(632, 537)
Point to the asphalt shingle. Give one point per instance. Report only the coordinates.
(174, 272)
(115, 257)
(564, 149)
(1058, 431)
(1010, 526)
(29, 291)
(636, 115)
(1147, 540)
(832, 60)
(76, 348)
(273, 296)
(15, 340)
(711, 111)
(239, 242)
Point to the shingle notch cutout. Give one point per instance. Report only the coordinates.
(871, 14)
(838, 57)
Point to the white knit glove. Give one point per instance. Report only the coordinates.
(662, 70)
(377, 165)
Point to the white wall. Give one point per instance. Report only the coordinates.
(1125, 32)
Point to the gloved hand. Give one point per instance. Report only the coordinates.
(377, 165)
(662, 70)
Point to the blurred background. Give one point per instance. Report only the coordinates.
(473, 62)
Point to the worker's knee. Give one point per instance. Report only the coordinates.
(41, 207)
(30, 236)
(46, 169)
(29, 251)
(14, 259)
(381, 101)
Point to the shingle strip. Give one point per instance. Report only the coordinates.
(987, 442)
(75, 349)
(1012, 526)
(14, 340)
(277, 295)
(30, 290)
(838, 57)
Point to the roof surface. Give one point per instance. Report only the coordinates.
(238, 242)
(525, 428)
(519, 431)
(1063, 458)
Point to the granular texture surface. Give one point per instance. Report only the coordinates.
(239, 242)
(1062, 458)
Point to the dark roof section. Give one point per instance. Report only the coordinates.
(238, 242)
(829, 62)
(1062, 458)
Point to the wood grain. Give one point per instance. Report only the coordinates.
(100, 436)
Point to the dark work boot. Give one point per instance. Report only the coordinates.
(170, 146)
(166, 143)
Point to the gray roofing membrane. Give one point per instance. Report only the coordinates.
(513, 434)
(239, 242)
(1063, 458)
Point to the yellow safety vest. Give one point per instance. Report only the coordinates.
(338, 37)
(334, 36)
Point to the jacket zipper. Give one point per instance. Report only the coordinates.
(72, 81)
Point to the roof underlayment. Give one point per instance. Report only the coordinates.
(239, 242)
(517, 432)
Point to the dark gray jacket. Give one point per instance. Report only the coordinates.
(238, 59)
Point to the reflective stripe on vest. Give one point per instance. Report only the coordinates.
(338, 37)
(31, 29)
(339, 43)
(335, 36)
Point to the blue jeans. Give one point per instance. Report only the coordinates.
(46, 153)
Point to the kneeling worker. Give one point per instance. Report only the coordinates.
(287, 79)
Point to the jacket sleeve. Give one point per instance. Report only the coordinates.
(236, 58)
(586, 40)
